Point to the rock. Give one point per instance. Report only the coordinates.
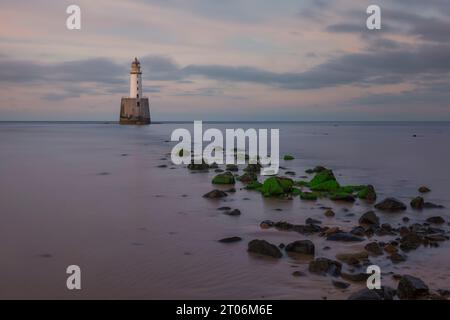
(367, 193)
(265, 248)
(288, 157)
(219, 170)
(231, 190)
(324, 181)
(397, 257)
(344, 236)
(355, 277)
(324, 266)
(369, 219)
(256, 168)
(410, 241)
(444, 292)
(424, 189)
(430, 205)
(436, 220)
(374, 248)
(417, 203)
(410, 287)
(312, 221)
(248, 177)
(352, 258)
(276, 186)
(290, 173)
(385, 293)
(230, 239)
(312, 196)
(215, 194)
(224, 178)
(232, 167)
(358, 231)
(224, 208)
(389, 248)
(365, 294)
(198, 166)
(298, 274)
(329, 213)
(213, 166)
(390, 204)
(317, 169)
(340, 284)
(342, 196)
(301, 246)
(266, 224)
(235, 212)
(162, 166)
(405, 219)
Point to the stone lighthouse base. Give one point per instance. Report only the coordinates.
(134, 111)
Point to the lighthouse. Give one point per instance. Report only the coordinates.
(135, 108)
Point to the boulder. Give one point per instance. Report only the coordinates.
(301, 246)
(342, 196)
(324, 181)
(288, 157)
(235, 212)
(324, 266)
(369, 219)
(410, 241)
(410, 288)
(391, 205)
(264, 248)
(215, 194)
(224, 178)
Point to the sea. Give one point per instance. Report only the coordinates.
(94, 194)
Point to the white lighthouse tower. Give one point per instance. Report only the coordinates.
(135, 108)
(135, 79)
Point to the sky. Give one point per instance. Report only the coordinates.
(241, 60)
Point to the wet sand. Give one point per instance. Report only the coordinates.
(93, 195)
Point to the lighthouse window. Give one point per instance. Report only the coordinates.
(138, 104)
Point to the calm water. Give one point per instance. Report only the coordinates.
(92, 195)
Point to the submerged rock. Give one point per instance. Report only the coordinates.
(317, 169)
(215, 194)
(301, 246)
(342, 196)
(390, 204)
(430, 205)
(232, 167)
(410, 241)
(288, 157)
(324, 266)
(230, 239)
(340, 284)
(436, 220)
(355, 277)
(369, 219)
(424, 189)
(235, 212)
(264, 248)
(344, 236)
(352, 258)
(256, 168)
(224, 178)
(410, 287)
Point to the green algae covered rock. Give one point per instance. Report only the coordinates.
(276, 186)
(308, 196)
(367, 193)
(254, 185)
(324, 181)
(288, 157)
(224, 178)
(342, 196)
